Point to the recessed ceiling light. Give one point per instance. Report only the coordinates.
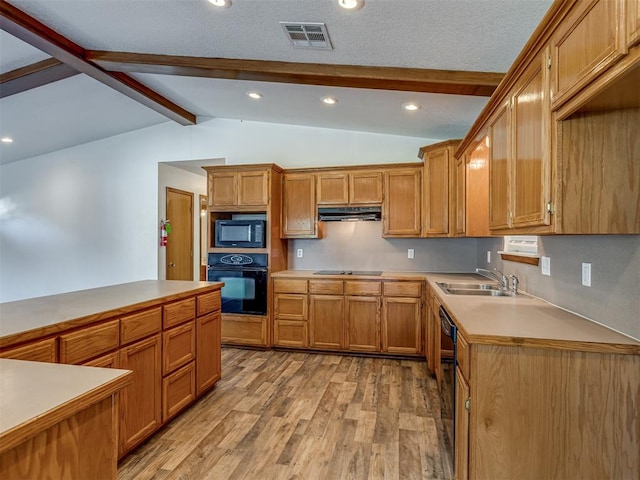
(351, 4)
(220, 3)
(6, 140)
(255, 95)
(330, 100)
(411, 107)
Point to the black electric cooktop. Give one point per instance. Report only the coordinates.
(372, 273)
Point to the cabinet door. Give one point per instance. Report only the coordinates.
(477, 190)
(178, 391)
(253, 188)
(461, 461)
(587, 43)
(531, 171)
(299, 211)
(499, 169)
(333, 189)
(208, 351)
(222, 189)
(179, 347)
(437, 173)
(141, 401)
(401, 210)
(363, 324)
(326, 319)
(365, 188)
(436, 339)
(460, 197)
(401, 325)
(290, 306)
(291, 333)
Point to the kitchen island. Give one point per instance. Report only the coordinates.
(58, 421)
(166, 332)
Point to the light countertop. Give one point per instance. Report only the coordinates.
(310, 274)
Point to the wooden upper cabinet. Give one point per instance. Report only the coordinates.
(477, 189)
(333, 188)
(461, 177)
(530, 183)
(439, 189)
(238, 188)
(401, 209)
(633, 22)
(350, 188)
(299, 210)
(499, 169)
(589, 40)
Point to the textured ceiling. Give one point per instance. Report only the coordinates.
(473, 35)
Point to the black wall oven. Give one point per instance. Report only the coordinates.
(245, 279)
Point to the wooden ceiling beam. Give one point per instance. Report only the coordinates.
(28, 29)
(383, 78)
(34, 76)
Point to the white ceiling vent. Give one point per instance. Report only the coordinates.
(307, 35)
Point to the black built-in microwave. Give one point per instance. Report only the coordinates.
(240, 233)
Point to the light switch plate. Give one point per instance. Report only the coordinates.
(411, 253)
(546, 266)
(299, 253)
(586, 274)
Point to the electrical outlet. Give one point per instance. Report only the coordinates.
(488, 256)
(546, 266)
(586, 274)
(299, 253)
(411, 253)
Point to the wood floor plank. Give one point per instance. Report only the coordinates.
(288, 416)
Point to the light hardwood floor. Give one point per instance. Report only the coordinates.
(282, 415)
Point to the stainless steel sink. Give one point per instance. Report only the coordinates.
(478, 289)
(469, 286)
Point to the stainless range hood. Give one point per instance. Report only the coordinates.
(346, 214)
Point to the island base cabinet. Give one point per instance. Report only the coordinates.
(54, 452)
(140, 402)
(208, 354)
(178, 391)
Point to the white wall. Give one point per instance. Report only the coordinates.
(88, 216)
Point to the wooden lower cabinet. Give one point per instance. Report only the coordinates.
(39, 351)
(140, 402)
(326, 314)
(248, 330)
(547, 413)
(110, 360)
(401, 325)
(291, 333)
(208, 354)
(291, 317)
(178, 347)
(178, 391)
(461, 449)
(363, 324)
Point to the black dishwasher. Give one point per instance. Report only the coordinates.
(448, 384)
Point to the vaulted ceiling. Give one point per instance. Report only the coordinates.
(145, 62)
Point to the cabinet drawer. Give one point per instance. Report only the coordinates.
(326, 287)
(179, 312)
(90, 342)
(289, 333)
(290, 307)
(110, 360)
(286, 285)
(178, 391)
(362, 288)
(140, 325)
(208, 302)
(402, 289)
(179, 347)
(462, 355)
(40, 351)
